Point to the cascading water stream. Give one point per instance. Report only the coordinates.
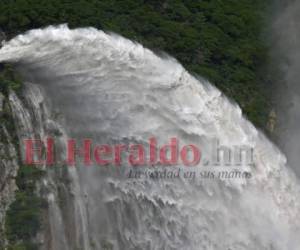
(101, 86)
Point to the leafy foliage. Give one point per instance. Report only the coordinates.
(9, 79)
(22, 220)
(218, 39)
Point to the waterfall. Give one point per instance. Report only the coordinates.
(85, 83)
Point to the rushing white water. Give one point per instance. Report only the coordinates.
(102, 86)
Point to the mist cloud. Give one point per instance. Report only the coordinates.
(286, 50)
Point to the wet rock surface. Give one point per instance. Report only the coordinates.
(8, 172)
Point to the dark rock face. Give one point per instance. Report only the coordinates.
(2, 35)
(8, 173)
(1, 103)
(9, 166)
